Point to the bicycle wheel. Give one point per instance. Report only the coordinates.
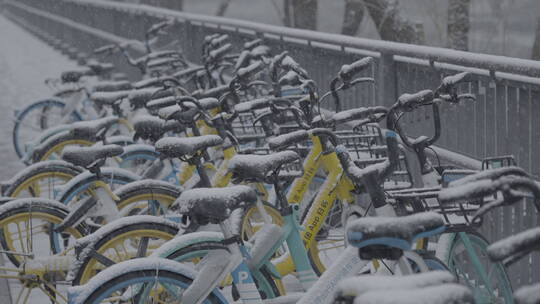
(185, 249)
(152, 281)
(51, 148)
(136, 158)
(41, 179)
(32, 120)
(25, 228)
(149, 196)
(329, 241)
(125, 239)
(468, 260)
(78, 187)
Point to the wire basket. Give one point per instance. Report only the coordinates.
(457, 215)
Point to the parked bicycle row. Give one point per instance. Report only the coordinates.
(229, 181)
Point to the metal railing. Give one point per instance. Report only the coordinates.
(504, 119)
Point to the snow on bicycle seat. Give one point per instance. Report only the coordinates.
(138, 98)
(286, 140)
(108, 98)
(86, 156)
(398, 232)
(111, 86)
(91, 128)
(176, 147)
(449, 293)
(356, 286)
(153, 128)
(256, 168)
(207, 103)
(214, 92)
(214, 204)
(515, 245)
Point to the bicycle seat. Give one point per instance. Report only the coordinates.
(152, 128)
(214, 92)
(286, 140)
(108, 98)
(138, 98)
(111, 86)
(394, 232)
(523, 242)
(449, 293)
(175, 147)
(91, 128)
(256, 168)
(358, 285)
(207, 103)
(86, 156)
(213, 205)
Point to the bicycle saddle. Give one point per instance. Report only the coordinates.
(449, 293)
(286, 140)
(152, 128)
(395, 232)
(86, 156)
(108, 98)
(91, 128)
(214, 92)
(175, 147)
(138, 98)
(111, 86)
(523, 242)
(256, 168)
(213, 205)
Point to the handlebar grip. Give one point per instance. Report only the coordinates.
(104, 49)
(348, 71)
(220, 52)
(457, 78)
(250, 70)
(291, 78)
(358, 113)
(156, 27)
(410, 101)
(252, 44)
(392, 149)
(219, 40)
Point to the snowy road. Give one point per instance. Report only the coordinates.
(25, 62)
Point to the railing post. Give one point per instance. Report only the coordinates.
(386, 81)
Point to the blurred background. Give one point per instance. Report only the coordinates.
(501, 27)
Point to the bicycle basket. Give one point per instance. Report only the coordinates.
(457, 216)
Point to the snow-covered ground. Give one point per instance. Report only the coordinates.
(25, 62)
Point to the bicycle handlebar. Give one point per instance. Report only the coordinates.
(218, 53)
(250, 70)
(360, 113)
(450, 81)
(348, 71)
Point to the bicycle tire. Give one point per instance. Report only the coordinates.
(45, 209)
(47, 172)
(269, 286)
(133, 231)
(480, 243)
(38, 105)
(161, 193)
(151, 275)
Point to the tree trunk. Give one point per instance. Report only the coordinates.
(390, 24)
(352, 18)
(536, 46)
(305, 14)
(223, 7)
(458, 24)
(287, 13)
